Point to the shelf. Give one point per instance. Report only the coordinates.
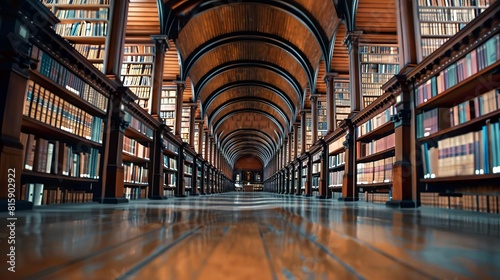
(337, 151)
(169, 153)
(137, 62)
(132, 133)
(473, 86)
(65, 94)
(101, 40)
(335, 186)
(48, 132)
(132, 158)
(138, 54)
(495, 177)
(166, 169)
(68, 20)
(78, 6)
(377, 156)
(374, 185)
(379, 132)
(472, 125)
(336, 168)
(29, 176)
(135, 185)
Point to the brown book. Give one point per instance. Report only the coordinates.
(28, 99)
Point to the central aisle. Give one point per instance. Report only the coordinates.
(253, 236)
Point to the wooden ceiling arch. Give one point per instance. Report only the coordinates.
(241, 133)
(280, 130)
(253, 140)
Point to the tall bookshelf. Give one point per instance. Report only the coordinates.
(438, 20)
(84, 23)
(336, 163)
(316, 170)
(309, 140)
(186, 114)
(322, 117)
(375, 147)
(137, 72)
(62, 132)
(136, 157)
(188, 172)
(170, 156)
(379, 63)
(342, 100)
(167, 106)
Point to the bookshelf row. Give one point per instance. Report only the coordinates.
(487, 203)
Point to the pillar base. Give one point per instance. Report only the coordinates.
(308, 195)
(20, 205)
(401, 204)
(158, 197)
(349, 198)
(194, 194)
(179, 195)
(299, 194)
(111, 200)
(323, 197)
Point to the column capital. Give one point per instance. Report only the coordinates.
(161, 43)
(181, 85)
(330, 77)
(314, 97)
(351, 39)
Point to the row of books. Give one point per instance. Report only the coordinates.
(132, 147)
(137, 69)
(90, 51)
(474, 153)
(137, 80)
(102, 13)
(78, 2)
(47, 107)
(170, 146)
(379, 171)
(55, 157)
(379, 69)
(61, 75)
(453, 3)
(138, 58)
(335, 179)
(444, 14)
(135, 193)
(141, 92)
(138, 125)
(440, 28)
(39, 194)
(477, 107)
(376, 122)
(432, 121)
(188, 169)
(429, 45)
(82, 29)
(135, 174)
(380, 58)
(377, 197)
(170, 179)
(488, 203)
(367, 100)
(474, 61)
(169, 162)
(342, 101)
(378, 49)
(135, 49)
(375, 146)
(376, 77)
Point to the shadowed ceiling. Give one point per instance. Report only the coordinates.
(252, 64)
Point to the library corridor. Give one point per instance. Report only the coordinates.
(254, 236)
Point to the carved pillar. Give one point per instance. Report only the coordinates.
(161, 45)
(349, 192)
(156, 181)
(352, 41)
(303, 131)
(331, 110)
(314, 118)
(323, 180)
(200, 137)
(407, 32)
(115, 39)
(194, 178)
(290, 143)
(295, 140)
(404, 186)
(113, 144)
(180, 189)
(298, 191)
(180, 86)
(192, 116)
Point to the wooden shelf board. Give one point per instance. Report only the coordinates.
(136, 135)
(135, 185)
(462, 178)
(473, 86)
(78, 6)
(377, 156)
(86, 39)
(379, 132)
(374, 185)
(336, 168)
(472, 125)
(48, 132)
(29, 176)
(132, 158)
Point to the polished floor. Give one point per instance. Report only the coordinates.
(251, 236)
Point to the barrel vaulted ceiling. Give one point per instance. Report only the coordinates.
(252, 64)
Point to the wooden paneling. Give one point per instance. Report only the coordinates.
(248, 162)
(142, 21)
(376, 16)
(324, 12)
(249, 121)
(320, 78)
(340, 58)
(171, 68)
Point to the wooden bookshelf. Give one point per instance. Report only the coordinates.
(440, 20)
(137, 72)
(342, 99)
(378, 64)
(322, 117)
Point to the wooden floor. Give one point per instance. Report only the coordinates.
(251, 236)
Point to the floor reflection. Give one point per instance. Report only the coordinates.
(249, 236)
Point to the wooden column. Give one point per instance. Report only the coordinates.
(405, 23)
(192, 116)
(290, 135)
(205, 156)
(115, 129)
(303, 131)
(194, 179)
(292, 180)
(331, 110)
(314, 118)
(180, 189)
(349, 192)
(161, 45)
(115, 39)
(352, 41)
(323, 180)
(200, 137)
(208, 178)
(298, 191)
(308, 186)
(156, 180)
(180, 86)
(202, 180)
